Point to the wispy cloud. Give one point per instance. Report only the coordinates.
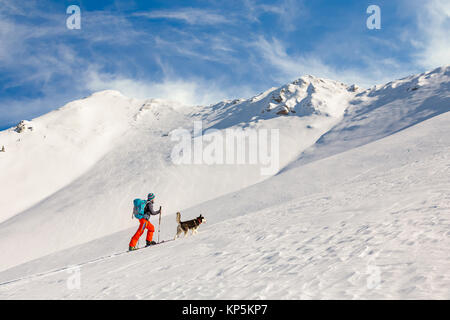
(288, 67)
(217, 52)
(51, 72)
(192, 16)
(187, 91)
(287, 12)
(433, 40)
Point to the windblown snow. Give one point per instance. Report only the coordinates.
(359, 208)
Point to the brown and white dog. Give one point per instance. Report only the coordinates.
(185, 226)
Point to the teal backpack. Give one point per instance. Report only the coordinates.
(138, 208)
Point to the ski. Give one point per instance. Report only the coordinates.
(161, 242)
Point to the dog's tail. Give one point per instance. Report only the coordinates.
(178, 217)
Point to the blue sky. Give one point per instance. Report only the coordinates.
(201, 52)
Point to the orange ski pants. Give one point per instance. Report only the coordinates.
(143, 224)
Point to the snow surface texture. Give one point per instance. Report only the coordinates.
(361, 208)
(90, 198)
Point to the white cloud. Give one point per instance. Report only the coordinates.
(191, 16)
(434, 26)
(287, 12)
(290, 67)
(192, 91)
(81, 75)
(269, 58)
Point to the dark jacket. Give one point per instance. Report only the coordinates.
(148, 210)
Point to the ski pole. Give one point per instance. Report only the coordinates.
(159, 225)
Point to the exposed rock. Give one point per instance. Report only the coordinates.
(298, 81)
(23, 126)
(353, 88)
(20, 127)
(413, 88)
(277, 99)
(283, 111)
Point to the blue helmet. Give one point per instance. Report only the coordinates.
(150, 196)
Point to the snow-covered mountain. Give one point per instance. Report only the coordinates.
(82, 165)
(363, 183)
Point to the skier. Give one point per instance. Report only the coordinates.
(144, 223)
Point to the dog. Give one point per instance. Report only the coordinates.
(185, 226)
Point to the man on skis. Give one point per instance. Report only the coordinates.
(144, 223)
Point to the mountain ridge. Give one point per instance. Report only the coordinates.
(81, 172)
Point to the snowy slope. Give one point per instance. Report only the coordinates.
(114, 149)
(383, 110)
(377, 229)
(58, 147)
(351, 179)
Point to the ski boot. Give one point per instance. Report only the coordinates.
(150, 243)
(132, 248)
